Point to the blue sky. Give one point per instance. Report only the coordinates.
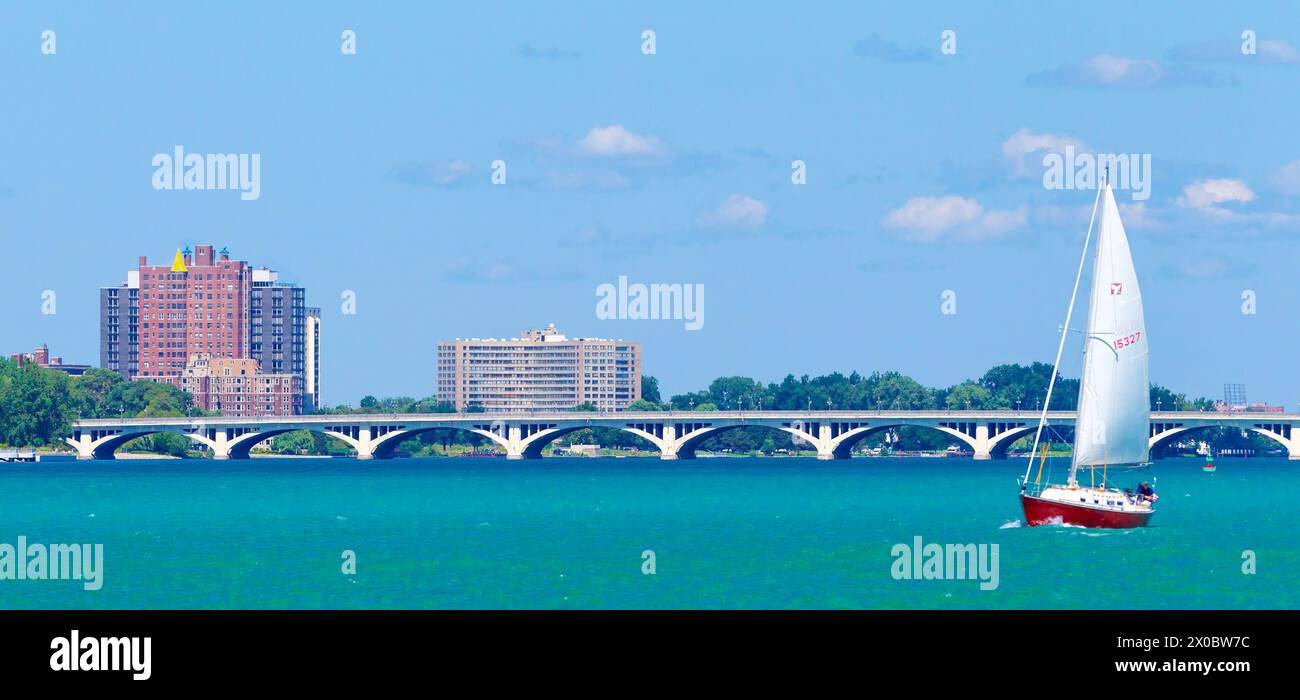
(923, 175)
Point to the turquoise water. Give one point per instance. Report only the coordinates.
(569, 533)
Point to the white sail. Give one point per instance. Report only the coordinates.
(1114, 415)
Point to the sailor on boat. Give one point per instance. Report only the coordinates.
(1146, 493)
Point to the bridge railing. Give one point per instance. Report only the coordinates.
(642, 416)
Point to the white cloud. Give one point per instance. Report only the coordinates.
(451, 172)
(615, 141)
(737, 210)
(1228, 51)
(1277, 51)
(470, 270)
(930, 218)
(1110, 71)
(1024, 143)
(1287, 178)
(1115, 70)
(1207, 194)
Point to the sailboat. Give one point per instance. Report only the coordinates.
(1114, 408)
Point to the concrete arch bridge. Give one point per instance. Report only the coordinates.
(677, 435)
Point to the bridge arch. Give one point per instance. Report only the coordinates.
(1161, 440)
(536, 442)
(385, 446)
(238, 447)
(105, 447)
(842, 448)
(687, 444)
(1002, 442)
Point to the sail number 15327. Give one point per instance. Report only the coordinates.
(1128, 340)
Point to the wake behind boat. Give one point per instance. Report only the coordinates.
(1114, 410)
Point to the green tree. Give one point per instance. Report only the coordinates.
(36, 405)
(686, 402)
(1166, 400)
(650, 389)
(733, 393)
(968, 395)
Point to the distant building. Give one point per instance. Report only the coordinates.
(119, 326)
(311, 377)
(41, 358)
(236, 387)
(540, 371)
(279, 325)
(204, 302)
(197, 304)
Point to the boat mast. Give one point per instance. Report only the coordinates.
(1087, 344)
(1060, 348)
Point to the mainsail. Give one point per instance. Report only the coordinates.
(1114, 397)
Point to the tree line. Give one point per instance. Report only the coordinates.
(37, 407)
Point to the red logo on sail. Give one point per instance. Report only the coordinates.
(1116, 288)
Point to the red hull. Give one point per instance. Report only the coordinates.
(1042, 512)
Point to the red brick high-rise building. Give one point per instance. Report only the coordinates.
(206, 305)
(197, 304)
